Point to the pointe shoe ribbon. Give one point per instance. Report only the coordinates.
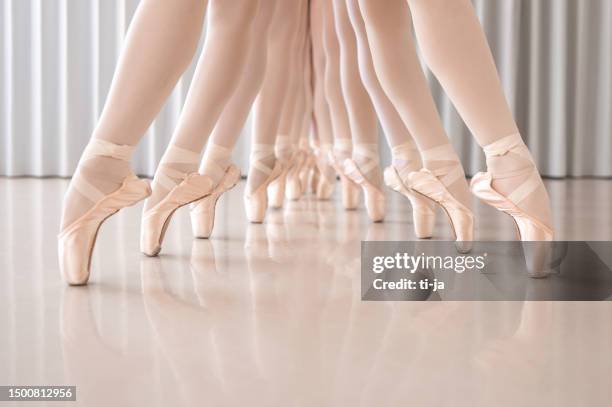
(76, 242)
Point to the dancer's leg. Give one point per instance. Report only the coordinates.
(333, 86)
(388, 27)
(217, 157)
(361, 114)
(234, 115)
(405, 155)
(285, 141)
(216, 78)
(151, 63)
(273, 93)
(286, 148)
(324, 133)
(455, 48)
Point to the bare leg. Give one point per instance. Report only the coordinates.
(456, 50)
(160, 44)
(216, 78)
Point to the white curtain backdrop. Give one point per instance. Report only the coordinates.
(57, 59)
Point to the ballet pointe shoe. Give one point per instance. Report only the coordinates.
(202, 212)
(375, 201)
(423, 210)
(324, 188)
(350, 193)
(155, 221)
(350, 190)
(425, 183)
(256, 203)
(276, 189)
(295, 184)
(529, 228)
(77, 241)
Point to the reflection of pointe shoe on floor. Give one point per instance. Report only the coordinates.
(423, 209)
(76, 242)
(202, 213)
(529, 227)
(256, 202)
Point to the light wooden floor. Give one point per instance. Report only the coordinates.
(270, 315)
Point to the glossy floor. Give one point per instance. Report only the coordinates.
(270, 315)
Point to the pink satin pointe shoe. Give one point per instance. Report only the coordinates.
(295, 184)
(350, 190)
(432, 185)
(324, 179)
(155, 221)
(308, 174)
(423, 209)
(405, 158)
(276, 189)
(77, 241)
(202, 212)
(375, 200)
(529, 228)
(256, 202)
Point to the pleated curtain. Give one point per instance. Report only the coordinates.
(57, 58)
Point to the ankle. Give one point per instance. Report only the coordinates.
(343, 149)
(283, 148)
(508, 156)
(216, 161)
